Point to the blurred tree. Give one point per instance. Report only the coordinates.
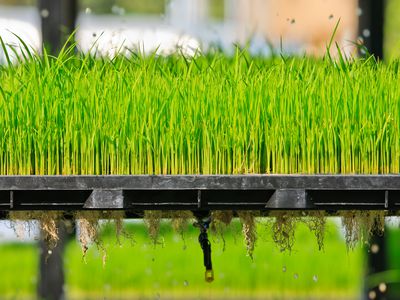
(392, 33)
(18, 2)
(217, 9)
(129, 6)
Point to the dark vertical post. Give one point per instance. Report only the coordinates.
(58, 19)
(58, 22)
(376, 263)
(51, 267)
(370, 26)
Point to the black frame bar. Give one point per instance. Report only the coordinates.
(200, 192)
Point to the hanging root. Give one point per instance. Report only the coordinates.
(220, 220)
(180, 221)
(247, 218)
(352, 228)
(221, 217)
(283, 229)
(48, 226)
(152, 219)
(374, 222)
(316, 222)
(118, 216)
(89, 230)
(360, 225)
(21, 221)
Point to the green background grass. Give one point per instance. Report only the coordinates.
(174, 268)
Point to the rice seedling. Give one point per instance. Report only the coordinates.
(209, 115)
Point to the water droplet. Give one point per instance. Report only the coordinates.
(296, 276)
(44, 13)
(372, 295)
(185, 283)
(374, 248)
(382, 287)
(88, 10)
(315, 278)
(359, 11)
(49, 252)
(366, 33)
(284, 269)
(330, 16)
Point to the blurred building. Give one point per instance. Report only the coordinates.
(293, 26)
(306, 25)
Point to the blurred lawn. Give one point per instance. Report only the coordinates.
(175, 270)
(392, 32)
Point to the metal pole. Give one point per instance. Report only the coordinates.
(57, 22)
(371, 22)
(377, 263)
(51, 267)
(58, 19)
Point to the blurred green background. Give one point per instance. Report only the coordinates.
(392, 32)
(174, 269)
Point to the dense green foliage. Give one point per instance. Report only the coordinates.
(175, 268)
(209, 115)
